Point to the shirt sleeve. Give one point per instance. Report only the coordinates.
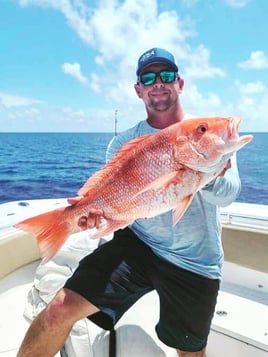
(223, 190)
(116, 143)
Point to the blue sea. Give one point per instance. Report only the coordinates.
(55, 165)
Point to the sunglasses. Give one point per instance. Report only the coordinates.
(166, 76)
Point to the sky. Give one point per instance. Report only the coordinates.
(69, 65)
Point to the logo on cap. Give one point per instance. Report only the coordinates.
(147, 55)
(156, 55)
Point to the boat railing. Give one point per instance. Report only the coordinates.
(248, 221)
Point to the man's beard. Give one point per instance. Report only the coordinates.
(162, 104)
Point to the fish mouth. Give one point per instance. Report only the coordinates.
(233, 134)
(232, 128)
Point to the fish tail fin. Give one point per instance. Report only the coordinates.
(51, 230)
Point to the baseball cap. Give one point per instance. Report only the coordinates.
(155, 55)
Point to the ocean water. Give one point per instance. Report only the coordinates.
(55, 165)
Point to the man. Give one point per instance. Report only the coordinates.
(182, 263)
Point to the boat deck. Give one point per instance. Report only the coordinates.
(240, 323)
(236, 319)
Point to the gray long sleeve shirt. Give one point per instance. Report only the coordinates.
(194, 243)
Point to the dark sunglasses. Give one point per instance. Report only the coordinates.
(149, 78)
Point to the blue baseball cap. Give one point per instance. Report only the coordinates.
(155, 55)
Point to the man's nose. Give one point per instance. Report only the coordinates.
(158, 82)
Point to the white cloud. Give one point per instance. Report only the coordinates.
(254, 112)
(10, 101)
(75, 11)
(121, 31)
(257, 60)
(95, 83)
(70, 114)
(74, 69)
(118, 32)
(251, 88)
(199, 65)
(88, 119)
(237, 3)
(25, 114)
(197, 103)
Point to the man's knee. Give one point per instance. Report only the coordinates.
(201, 353)
(68, 306)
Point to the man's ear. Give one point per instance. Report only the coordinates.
(137, 90)
(181, 84)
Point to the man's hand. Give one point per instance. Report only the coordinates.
(227, 167)
(93, 219)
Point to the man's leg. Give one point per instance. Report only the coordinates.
(201, 353)
(51, 327)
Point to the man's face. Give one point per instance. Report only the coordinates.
(159, 96)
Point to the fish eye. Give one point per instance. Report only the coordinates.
(202, 128)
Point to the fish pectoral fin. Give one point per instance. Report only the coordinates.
(173, 177)
(181, 208)
(109, 226)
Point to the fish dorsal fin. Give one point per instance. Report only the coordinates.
(106, 174)
(181, 208)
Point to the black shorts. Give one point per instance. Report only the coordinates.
(122, 270)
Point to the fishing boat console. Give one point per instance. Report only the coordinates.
(240, 323)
